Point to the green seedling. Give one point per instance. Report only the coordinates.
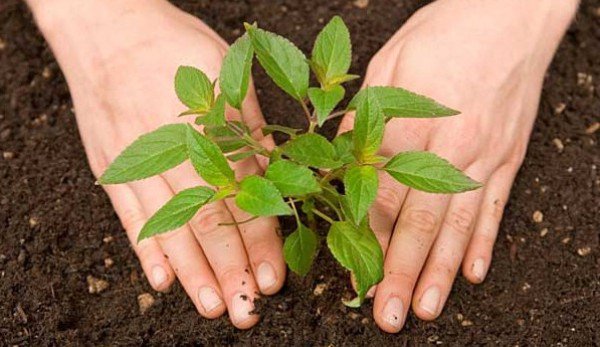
(336, 181)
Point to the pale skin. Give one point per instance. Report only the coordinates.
(486, 58)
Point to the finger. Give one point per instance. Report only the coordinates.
(224, 250)
(263, 244)
(132, 216)
(446, 255)
(479, 253)
(183, 252)
(414, 233)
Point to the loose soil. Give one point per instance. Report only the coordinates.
(57, 228)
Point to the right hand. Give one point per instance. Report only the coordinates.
(119, 59)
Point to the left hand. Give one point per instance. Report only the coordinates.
(486, 59)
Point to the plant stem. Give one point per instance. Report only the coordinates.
(239, 223)
(330, 204)
(323, 215)
(306, 112)
(336, 114)
(291, 202)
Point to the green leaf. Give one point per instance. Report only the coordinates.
(259, 197)
(369, 124)
(207, 159)
(223, 193)
(194, 89)
(343, 146)
(177, 211)
(299, 249)
(151, 154)
(292, 179)
(324, 101)
(332, 52)
(282, 61)
(357, 249)
(398, 102)
(216, 115)
(235, 71)
(427, 172)
(361, 184)
(225, 138)
(313, 150)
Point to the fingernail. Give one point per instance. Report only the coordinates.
(241, 308)
(479, 269)
(430, 300)
(265, 276)
(209, 299)
(393, 312)
(159, 276)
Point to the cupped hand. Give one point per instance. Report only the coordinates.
(486, 59)
(120, 59)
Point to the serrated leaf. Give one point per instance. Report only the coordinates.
(299, 249)
(361, 184)
(225, 138)
(398, 102)
(194, 89)
(357, 249)
(282, 61)
(292, 179)
(207, 159)
(324, 101)
(235, 71)
(259, 197)
(216, 115)
(332, 52)
(369, 124)
(177, 211)
(151, 154)
(343, 146)
(427, 172)
(313, 150)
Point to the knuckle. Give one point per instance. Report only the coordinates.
(419, 220)
(395, 276)
(497, 209)
(207, 220)
(461, 220)
(231, 272)
(132, 219)
(388, 200)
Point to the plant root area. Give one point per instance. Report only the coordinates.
(68, 276)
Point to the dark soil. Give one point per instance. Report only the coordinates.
(53, 219)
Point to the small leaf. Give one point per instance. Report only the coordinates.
(398, 102)
(357, 249)
(282, 61)
(354, 303)
(235, 71)
(344, 79)
(292, 179)
(271, 128)
(313, 150)
(259, 197)
(332, 52)
(224, 192)
(151, 154)
(427, 172)
(207, 159)
(369, 125)
(216, 115)
(324, 101)
(194, 89)
(343, 146)
(299, 249)
(361, 184)
(225, 138)
(177, 211)
(241, 155)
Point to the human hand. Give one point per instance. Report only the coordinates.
(120, 58)
(486, 59)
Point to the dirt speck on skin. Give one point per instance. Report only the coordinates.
(44, 268)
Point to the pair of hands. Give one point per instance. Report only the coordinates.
(480, 57)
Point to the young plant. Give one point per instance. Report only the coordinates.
(336, 181)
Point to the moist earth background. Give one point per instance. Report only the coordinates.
(53, 219)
